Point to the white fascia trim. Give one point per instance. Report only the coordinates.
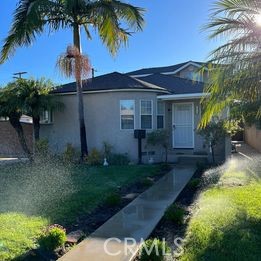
(167, 73)
(183, 67)
(182, 96)
(140, 75)
(118, 90)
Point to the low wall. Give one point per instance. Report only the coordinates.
(9, 143)
(253, 137)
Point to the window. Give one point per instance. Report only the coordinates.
(146, 114)
(194, 76)
(46, 117)
(127, 114)
(160, 115)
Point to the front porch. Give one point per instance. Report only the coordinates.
(182, 116)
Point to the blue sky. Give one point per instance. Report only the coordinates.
(171, 35)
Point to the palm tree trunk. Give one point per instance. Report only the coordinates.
(36, 125)
(15, 122)
(83, 139)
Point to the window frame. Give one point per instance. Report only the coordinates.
(50, 117)
(163, 115)
(134, 105)
(147, 114)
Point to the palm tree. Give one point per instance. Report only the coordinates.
(36, 99)
(235, 77)
(11, 107)
(106, 16)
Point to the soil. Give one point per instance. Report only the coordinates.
(169, 230)
(88, 223)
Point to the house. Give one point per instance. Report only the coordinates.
(253, 136)
(9, 142)
(116, 104)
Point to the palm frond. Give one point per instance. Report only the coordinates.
(237, 73)
(73, 64)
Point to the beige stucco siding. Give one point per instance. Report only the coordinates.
(102, 118)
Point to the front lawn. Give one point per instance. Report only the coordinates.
(33, 196)
(227, 222)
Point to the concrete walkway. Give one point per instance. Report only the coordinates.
(136, 221)
(248, 152)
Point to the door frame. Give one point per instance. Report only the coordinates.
(192, 129)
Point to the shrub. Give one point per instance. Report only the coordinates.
(42, 147)
(194, 183)
(211, 177)
(53, 238)
(154, 250)
(119, 159)
(175, 214)
(159, 138)
(94, 158)
(107, 150)
(165, 167)
(113, 199)
(70, 153)
(147, 182)
(201, 166)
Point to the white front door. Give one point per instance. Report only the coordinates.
(183, 125)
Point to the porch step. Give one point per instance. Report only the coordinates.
(192, 159)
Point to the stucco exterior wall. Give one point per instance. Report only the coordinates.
(9, 143)
(253, 137)
(102, 118)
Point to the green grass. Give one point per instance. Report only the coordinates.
(33, 196)
(227, 225)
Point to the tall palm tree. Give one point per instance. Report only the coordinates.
(235, 77)
(108, 17)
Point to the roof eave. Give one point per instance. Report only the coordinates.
(185, 96)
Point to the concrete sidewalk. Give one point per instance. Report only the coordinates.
(136, 221)
(248, 152)
(5, 161)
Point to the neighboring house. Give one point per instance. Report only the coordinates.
(116, 104)
(9, 143)
(253, 136)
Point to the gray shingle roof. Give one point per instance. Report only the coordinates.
(171, 68)
(111, 81)
(175, 85)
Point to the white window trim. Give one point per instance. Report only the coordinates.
(164, 113)
(147, 114)
(50, 118)
(133, 115)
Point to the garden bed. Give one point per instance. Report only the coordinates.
(75, 196)
(222, 217)
(169, 230)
